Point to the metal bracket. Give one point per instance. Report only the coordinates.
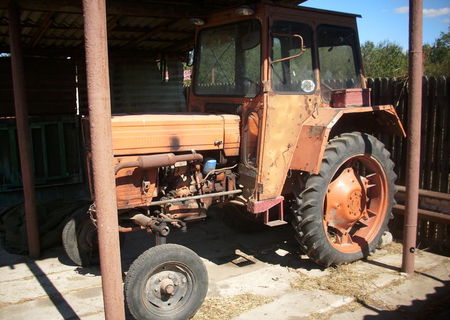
(264, 206)
(145, 187)
(260, 187)
(161, 231)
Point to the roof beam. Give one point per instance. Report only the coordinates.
(112, 23)
(81, 39)
(113, 27)
(149, 34)
(48, 18)
(114, 7)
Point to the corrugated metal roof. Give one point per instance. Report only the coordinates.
(162, 25)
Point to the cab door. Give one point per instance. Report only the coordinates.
(292, 98)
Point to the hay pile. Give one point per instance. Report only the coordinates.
(341, 280)
(392, 248)
(346, 280)
(217, 308)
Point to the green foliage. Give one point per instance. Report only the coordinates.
(386, 59)
(437, 57)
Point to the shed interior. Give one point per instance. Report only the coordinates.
(148, 43)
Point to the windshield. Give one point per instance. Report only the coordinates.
(229, 60)
(337, 57)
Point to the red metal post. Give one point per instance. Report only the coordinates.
(413, 142)
(23, 131)
(101, 145)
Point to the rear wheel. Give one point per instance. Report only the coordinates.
(343, 211)
(168, 281)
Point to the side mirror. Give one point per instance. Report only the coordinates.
(302, 48)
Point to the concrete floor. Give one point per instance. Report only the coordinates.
(258, 265)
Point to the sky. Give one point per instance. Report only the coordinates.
(388, 19)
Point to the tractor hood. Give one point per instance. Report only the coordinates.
(159, 133)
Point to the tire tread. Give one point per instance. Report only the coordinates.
(307, 220)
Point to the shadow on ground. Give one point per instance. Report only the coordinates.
(436, 306)
(214, 241)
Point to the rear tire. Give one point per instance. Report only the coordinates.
(166, 282)
(344, 210)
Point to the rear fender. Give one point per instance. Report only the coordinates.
(329, 122)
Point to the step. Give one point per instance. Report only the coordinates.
(275, 223)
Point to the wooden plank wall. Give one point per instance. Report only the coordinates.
(50, 86)
(137, 87)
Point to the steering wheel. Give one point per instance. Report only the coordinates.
(322, 83)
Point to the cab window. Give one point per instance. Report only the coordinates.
(337, 59)
(291, 72)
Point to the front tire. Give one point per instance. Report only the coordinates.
(80, 240)
(343, 211)
(166, 282)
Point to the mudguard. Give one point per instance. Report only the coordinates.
(315, 131)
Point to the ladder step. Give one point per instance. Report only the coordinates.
(275, 223)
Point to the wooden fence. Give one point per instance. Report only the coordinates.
(435, 147)
(435, 142)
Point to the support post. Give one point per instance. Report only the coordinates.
(23, 131)
(101, 145)
(413, 139)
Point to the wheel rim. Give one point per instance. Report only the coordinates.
(168, 288)
(355, 204)
(88, 239)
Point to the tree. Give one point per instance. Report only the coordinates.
(386, 59)
(437, 56)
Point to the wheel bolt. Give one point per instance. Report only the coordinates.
(170, 276)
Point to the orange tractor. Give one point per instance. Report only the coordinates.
(279, 116)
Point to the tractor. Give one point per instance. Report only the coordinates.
(279, 127)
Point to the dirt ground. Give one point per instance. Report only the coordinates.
(252, 276)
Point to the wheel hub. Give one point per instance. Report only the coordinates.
(165, 288)
(346, 201)
(354, 204)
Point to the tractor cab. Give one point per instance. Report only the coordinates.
(285, 71)
(247, 51)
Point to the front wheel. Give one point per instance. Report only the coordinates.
(167, 281)
(80, 240)
(343, 211)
